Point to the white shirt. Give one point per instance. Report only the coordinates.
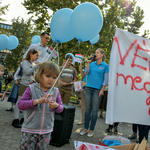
(43, 52)
(16, 73)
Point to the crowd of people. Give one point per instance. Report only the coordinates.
(39, 98)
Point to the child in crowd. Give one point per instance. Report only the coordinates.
(1, 74)
(67, 78)
(28, 68)
(39, 109)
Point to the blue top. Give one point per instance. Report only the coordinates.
(84, 79)
(97, 75)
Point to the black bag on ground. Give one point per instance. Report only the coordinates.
(63, 125)
(13, 96)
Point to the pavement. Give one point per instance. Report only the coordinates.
(10, 136)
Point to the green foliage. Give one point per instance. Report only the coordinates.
(40, 9)
(8, 87)
(79, 77)
(116, 14)
(2, 10)
(74, 99)
(24, 32)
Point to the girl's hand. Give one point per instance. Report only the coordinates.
(53, 105)
(44, 99)
(39, 64)
(80, 67)
(16, 82)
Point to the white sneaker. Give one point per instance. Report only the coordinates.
(83, 133)
(90, 135)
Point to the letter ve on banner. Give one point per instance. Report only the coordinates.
(129, 79)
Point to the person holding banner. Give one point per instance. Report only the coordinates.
(67, 78)
(27, 78)
(41, 47)
(97, 80)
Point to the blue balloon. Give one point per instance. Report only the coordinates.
(86, 21)
(54, 40)
(71, 55)
(13, 42)
(3, 41)
(60, 25)
(95, 39)
(35, 39)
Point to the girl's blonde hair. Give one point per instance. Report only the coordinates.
(102, 52)
(31, 51)
(47, 67)
(1, 66)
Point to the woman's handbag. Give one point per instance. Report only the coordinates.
(13, 96)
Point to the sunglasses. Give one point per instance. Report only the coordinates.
(46, 38)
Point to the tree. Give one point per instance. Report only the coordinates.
(39, 8)
(2, 10)
(123, 14)
(24, 32)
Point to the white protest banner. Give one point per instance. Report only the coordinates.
(78, 58)
(129, 80)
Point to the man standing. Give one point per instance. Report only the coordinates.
(41, 47)
(67, 79)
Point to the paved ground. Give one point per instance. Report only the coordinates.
(10, 136)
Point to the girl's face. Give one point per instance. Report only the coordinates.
(98, 54)
(34, 57)
(47, 81)
(1, 72)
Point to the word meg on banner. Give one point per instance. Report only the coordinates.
(137, 79)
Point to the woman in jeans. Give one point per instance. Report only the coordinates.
(97, 80)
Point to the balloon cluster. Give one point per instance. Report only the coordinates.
(35, 39)
(10, 42)
(83, 23)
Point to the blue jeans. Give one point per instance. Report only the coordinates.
(92, 101)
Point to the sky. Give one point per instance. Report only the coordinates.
(17, 9)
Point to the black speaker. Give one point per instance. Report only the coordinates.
(63, 125)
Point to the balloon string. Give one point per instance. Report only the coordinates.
(52, 44)
(75, 47)
(88, 50)
(57, 78)
(59, 74)
(58, 55)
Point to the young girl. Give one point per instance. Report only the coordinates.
(39, 110)
(28, 68)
